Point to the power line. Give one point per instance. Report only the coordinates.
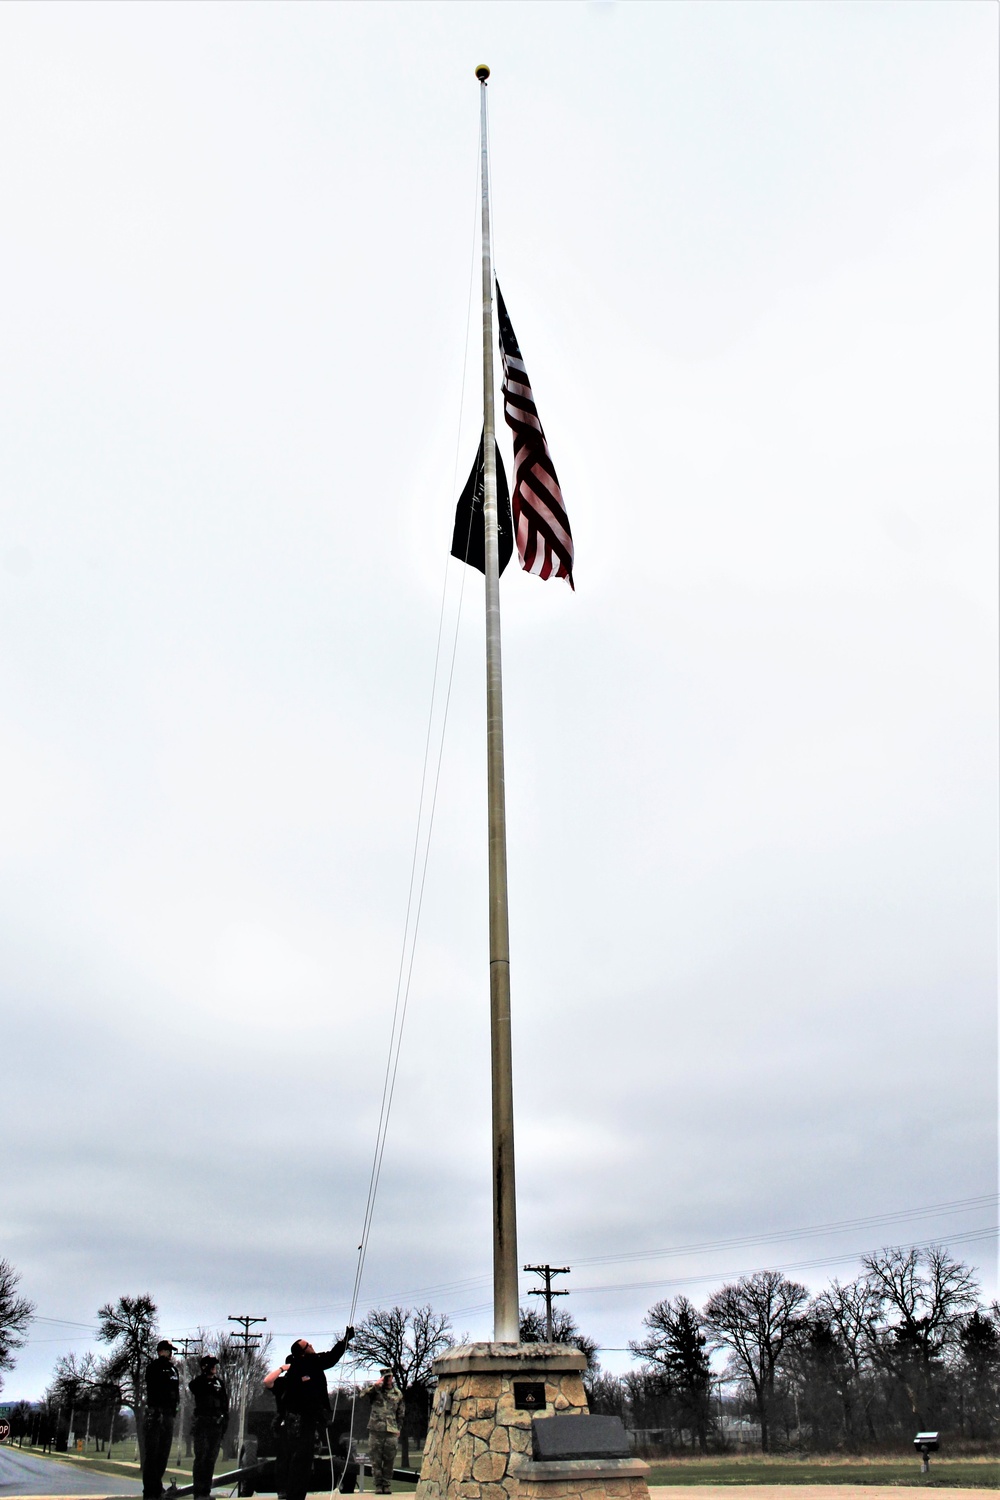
(662, 1284)
(990, 1231)
(958, 1205)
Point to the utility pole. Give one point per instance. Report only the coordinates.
(547, 1273)
(187, 1341)
(250, 1341)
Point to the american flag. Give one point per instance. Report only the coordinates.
(541, 526)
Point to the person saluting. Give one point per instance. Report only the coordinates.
(384, 1421)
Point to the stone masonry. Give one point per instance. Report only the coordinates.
(479, 1444)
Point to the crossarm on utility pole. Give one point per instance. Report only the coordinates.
(547, 1273)
(250, 1341)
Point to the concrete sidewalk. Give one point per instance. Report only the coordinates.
(801, 1491)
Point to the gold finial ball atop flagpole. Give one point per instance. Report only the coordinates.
(482, 72)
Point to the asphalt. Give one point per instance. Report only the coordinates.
(31, 1474)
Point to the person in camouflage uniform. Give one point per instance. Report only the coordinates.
(384, 1421)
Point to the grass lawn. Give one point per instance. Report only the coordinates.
(964, 1473)
(961, 1473)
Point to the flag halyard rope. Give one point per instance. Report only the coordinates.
(418, 868)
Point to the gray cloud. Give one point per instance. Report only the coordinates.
(751, 762)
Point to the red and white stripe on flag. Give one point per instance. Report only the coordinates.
(541, 525)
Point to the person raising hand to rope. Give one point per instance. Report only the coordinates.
(305, 1404)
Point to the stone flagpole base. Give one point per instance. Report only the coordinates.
(479, 1439)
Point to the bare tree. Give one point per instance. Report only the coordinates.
(924, 1292)
(21, 1420)
(533, 1329)
(753, 1319)
(74, 1386)
(129, 1326)
(676, 1347)
(242, 1372)
(853, 1314)
(15, 1315)
(647, 1400)
(606, 1395)
(924, 1296)
(406, 1341)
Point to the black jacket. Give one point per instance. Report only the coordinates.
(304, 1383)
(278, 1392)
(211, 1398)
(163, 1385)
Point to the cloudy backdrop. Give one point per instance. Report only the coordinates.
(750, 253)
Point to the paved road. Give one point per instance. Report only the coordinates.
(29, 1474)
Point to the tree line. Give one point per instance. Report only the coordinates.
(861, 1366)
(905, 1347)
(101, 1398)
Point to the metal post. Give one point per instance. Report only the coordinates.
(505, 1311)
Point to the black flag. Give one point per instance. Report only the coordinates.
(468, 543)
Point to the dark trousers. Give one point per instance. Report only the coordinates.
(280, 1458)
(300, 1441)
(207, 1433)
(158, 1434)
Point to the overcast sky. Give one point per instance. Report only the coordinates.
(750, 254)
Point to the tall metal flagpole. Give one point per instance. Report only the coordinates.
(505, 1311)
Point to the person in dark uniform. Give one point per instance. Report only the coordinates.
(211, 1414)
(163, 1394)
(274, 1382)
(305, 1403)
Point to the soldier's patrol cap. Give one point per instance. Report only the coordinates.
(385, 1369)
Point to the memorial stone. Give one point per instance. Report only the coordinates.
(480, 1443)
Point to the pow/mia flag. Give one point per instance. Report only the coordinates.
(468, 542)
